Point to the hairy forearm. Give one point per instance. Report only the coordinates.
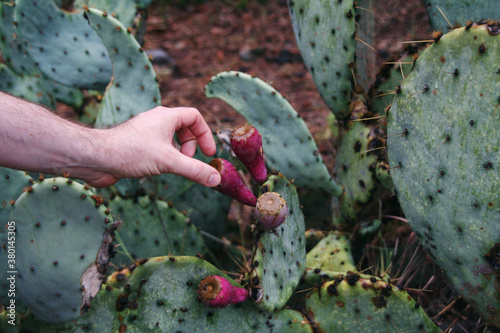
(34, 139)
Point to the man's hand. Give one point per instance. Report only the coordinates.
(34, 139)
(143, 146)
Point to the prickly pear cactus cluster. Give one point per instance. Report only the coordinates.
(438, 123)
(447, 175)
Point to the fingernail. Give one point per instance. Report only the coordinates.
(214, 179)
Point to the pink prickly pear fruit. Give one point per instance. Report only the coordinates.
(246, 143)
(216, 292)
(271, 210)
(231, 183)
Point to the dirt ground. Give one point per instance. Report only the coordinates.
(206, 39)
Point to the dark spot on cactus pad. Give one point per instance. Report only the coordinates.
(471, 122)
(332, 290)
(468, 25)
(493, 260)
(379, 301)
(122, 302)
(482, 48)
(120, 277)
(357, 146)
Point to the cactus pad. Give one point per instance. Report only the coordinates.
(458, 13)
(133, 88)
(332, 253)
(279, 258)
(447, 165)
(325, 32)
(161, 294)
(63, 248)
(354, 303)
(151, 228)
(287, 143)
(65, 47)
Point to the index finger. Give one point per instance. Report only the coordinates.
(190, 119)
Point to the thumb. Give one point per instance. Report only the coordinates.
(195, 170)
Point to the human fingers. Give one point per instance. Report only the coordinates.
(188, 148)
(195, 170)
(190, 124)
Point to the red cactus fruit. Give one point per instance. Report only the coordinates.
(246, 143)
(216, 292)
(231, 183)
(271, 210)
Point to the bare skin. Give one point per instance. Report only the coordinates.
(34, 139)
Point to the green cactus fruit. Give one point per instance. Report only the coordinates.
(63, 248)
(332, 253)
(31, 88)
(152, 228)
(355, 303)
(442, 13)
(133, 88)
(161, 295)
(446, 167)
(64, 46)
(334, 38)
(279, 259)
(356, 160)
(123, 10)
(288, 145)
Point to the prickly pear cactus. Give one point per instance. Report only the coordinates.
(332, 253)
(353, 303)
(447, 163)
(63, 248)
(123, 10)
(287, 143)
(161, 295)
(459, 12)
(152, 228)
(13, 50)
(133, 88)
(356, 160)
(279, 258)
(31, 88)
(325, 32)
(66, 48)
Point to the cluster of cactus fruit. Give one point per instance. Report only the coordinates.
(442, 163)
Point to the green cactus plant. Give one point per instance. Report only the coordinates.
(445, 15)
(268, 111)
(351, 302)
(152, 228)
(446, 171)
(63, 247)
(161, 294)
(279, 258)
(58, 40)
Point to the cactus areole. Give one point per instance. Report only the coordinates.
(231, 183)
(246, 143)
(217, 292)
(271, 210)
